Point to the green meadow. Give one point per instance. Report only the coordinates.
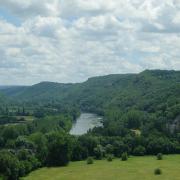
(136, 168)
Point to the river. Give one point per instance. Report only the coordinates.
(85, 122)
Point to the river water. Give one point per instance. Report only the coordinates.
(85, 122)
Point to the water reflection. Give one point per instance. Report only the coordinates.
(85, 122)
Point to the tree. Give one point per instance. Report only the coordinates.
(59, 149)
(119, 147)
(10, 132)
(109, 149)
(40, 142)
(9, 165)
(89, 142)
(79, 152)
(134, 119)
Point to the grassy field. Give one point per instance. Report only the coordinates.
(136, 168)
(27, 118)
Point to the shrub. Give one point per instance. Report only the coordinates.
(99, 152)
(157, 171)
(159, 156)
(109, 157)
(90, 160)
(124, 157)
(139, 151)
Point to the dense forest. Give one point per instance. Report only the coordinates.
(141, 116)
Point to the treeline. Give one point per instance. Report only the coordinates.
(57, 148)
(25, 147)
(27, 153)
(30, 109)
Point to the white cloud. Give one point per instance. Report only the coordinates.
(30, 8)
(69, 41)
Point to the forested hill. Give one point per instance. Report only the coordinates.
(121, 90)
(44, 91)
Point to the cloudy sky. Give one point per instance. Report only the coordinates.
(71, 40)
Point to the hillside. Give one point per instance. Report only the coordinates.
(153, 77)
(12, 90)
(147, 89)
(155, 92)
(44, 91)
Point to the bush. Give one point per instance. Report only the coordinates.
(90, 160)
(157, 171)
(159, 156)
(124, 157)
(109, 157)
(99, 152)
(139, 151)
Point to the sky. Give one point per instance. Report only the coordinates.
(72, 40)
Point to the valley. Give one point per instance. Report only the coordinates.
(134, 117)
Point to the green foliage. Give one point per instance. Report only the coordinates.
(40, 142)
(79, 152)
(9, 165)
(134, 119)
(139, 151)
(124, 156)
(109, 149)
(50, 123)
(157, 171)
(99, 152)
(59, 149)
(159, 156)
(10, 120)
(89, 142)
(119, 147)
(90, 160)
(10, 132)
(109, 157)
(24, 142)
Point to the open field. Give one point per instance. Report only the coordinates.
(27, 118)
(136, 168)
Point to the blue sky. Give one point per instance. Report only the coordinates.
(70, 41)
(9, 17)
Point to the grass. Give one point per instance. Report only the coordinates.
(136, 168)
(27, 118)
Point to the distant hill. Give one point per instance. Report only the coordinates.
(120, 90)
(12, 90)
(44, 91)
